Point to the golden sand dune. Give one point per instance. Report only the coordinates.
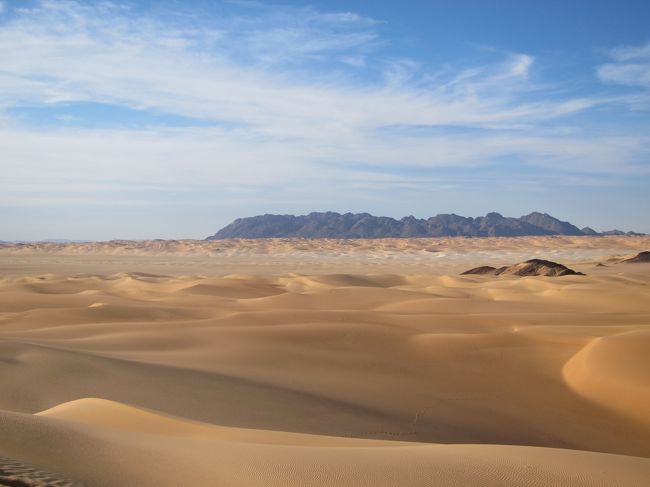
(328, 378)
(138, 447)
(614, 371)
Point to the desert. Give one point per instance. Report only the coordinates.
(325, 362)
(290, 243)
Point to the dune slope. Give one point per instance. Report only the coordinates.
(164, 451)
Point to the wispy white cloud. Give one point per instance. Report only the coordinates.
(216, 158)
(71, 52)
(356, 61)
(282, 87)
(521, 65)
(631, 66)
(628, 53)
(633, 74)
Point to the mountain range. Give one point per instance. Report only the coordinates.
(363, 225)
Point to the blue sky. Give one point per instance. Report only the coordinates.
(170, 119)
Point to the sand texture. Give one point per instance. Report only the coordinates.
(356, 363)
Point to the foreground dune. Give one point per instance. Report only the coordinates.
(328, 378)
(140, 447)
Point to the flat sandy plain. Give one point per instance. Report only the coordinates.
(325, 363)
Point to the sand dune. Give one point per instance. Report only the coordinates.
(613, 371)
(163, 450)
(328, 378)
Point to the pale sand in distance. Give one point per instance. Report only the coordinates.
(326, 363)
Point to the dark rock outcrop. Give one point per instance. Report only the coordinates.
(532, 267)
(364, 225)
(640, 258)
(482, 270)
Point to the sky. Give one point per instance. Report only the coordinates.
(169, 119)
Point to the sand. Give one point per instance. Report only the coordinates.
(326, 363)
(317, 256)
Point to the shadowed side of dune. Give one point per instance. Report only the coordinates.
(65, 375)
(89, 440)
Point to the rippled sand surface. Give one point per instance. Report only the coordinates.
(298, 362)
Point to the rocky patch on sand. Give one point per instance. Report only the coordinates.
(532, 267)
(640, 258)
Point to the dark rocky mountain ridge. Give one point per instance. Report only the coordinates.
(364, 225)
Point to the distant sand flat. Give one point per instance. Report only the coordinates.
(308, 256)
(115, 373)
